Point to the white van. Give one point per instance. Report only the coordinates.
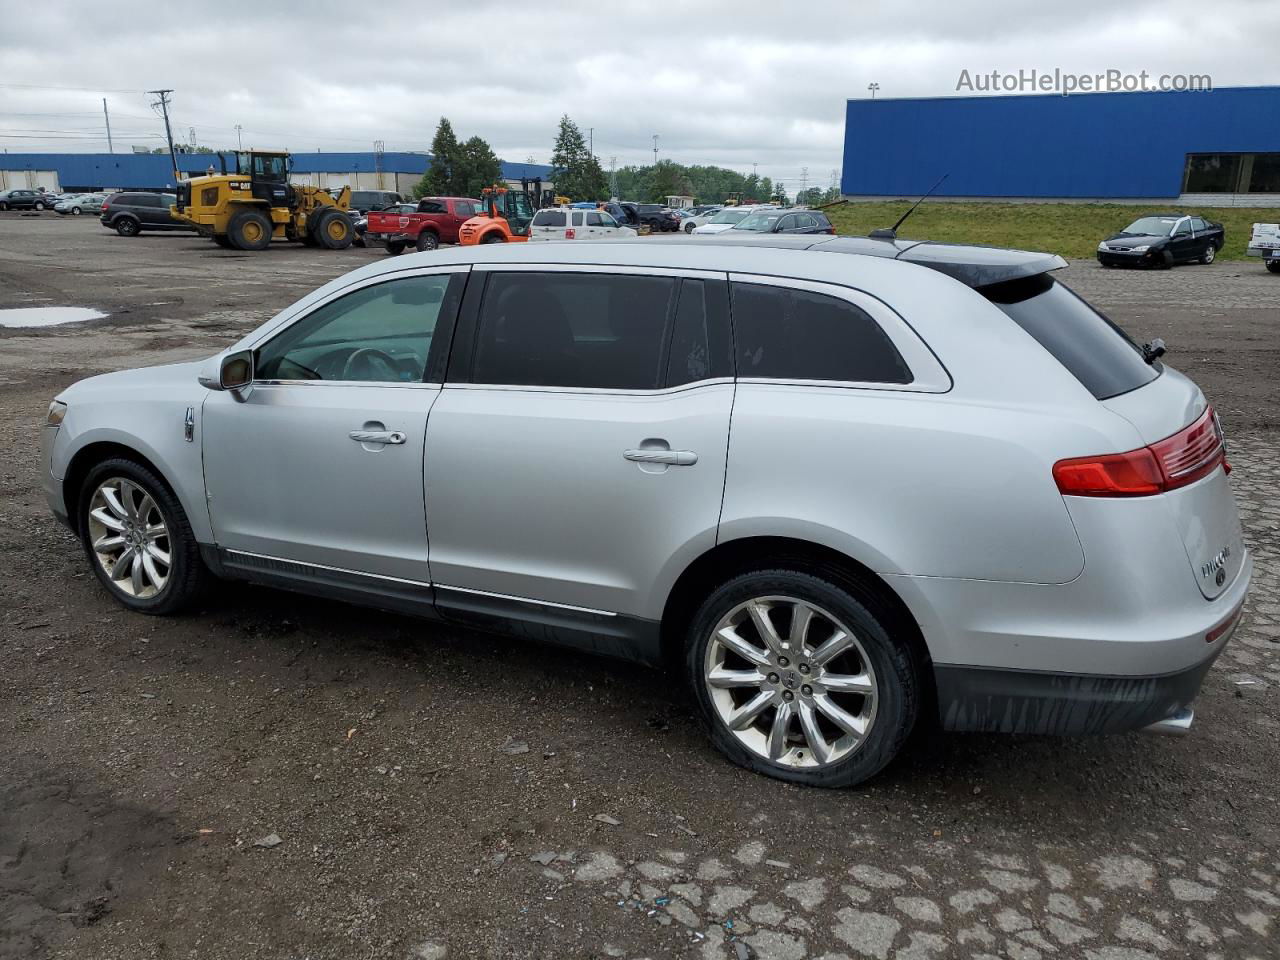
(567, 223)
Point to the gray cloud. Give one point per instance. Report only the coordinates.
(729, 83)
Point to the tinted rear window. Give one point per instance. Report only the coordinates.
(549, 218)
(1096, 351)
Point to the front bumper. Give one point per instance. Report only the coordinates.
(1123, 258)
(52, 485)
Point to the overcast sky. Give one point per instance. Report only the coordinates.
(730, 83)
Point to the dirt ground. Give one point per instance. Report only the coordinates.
(437, 793)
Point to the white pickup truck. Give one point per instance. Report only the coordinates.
(1265, 243)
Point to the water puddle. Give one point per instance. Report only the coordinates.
(46, 316)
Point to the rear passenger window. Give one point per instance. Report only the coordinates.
(786, 334)
(577, 219)
(575, 330)
(549, 218)
(432, 206)
(700, 347)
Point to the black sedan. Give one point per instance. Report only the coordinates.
(1161, 240)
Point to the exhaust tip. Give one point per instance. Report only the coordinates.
(1178, 725)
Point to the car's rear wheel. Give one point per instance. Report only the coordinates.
(4, 205)
(75, 211)
(138, 539)
(427, 240)
(127, 227)
(798, 680)
(38, 205)
(1210, 254)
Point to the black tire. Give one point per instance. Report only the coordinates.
(1210, 254)
(898, 685)
(127, 226)
(250, 230)
(427, 240)
(493, 237)
(187, 576)
(75, 211)
(395, 247)
(222, 240)
(4, 205)
(334, 230)
(38, 205)
(689, 227)
(1273, 266)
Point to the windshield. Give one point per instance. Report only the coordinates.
(729, 216)
(1152, 226)
(759, 222)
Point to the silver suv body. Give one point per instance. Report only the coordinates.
(834, 482)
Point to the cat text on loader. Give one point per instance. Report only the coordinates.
(506, 219)
(256, 204)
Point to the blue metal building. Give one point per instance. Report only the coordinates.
(136, 171)
(1217, 146)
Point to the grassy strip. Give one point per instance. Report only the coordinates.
(1069, 229)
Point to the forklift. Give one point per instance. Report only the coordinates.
(248, 208)
(506, 218)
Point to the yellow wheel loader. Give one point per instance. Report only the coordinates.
(256, 204)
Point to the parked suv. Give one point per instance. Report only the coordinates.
(948, 483)
(128, 214)
(366, 201)
(562, 223)
(659, 218)
(25, 200)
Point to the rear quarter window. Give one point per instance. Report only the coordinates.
(1095, 351)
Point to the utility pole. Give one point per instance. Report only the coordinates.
(655, 149)
(613, 176)
(106, 116)
(163, 104)
(379, 150)
(804, 179)
(591, 141)
(239, 143)
(192, 134)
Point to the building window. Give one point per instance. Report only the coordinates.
(1232, 173)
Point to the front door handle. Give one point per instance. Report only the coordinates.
(675, 458)
(377, 436)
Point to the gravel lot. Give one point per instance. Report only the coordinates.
(447, 794)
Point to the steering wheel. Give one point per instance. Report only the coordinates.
(377, 366)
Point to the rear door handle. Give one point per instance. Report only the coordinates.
(676, 458)
(377, 436)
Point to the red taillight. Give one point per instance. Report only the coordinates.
(1185, 457)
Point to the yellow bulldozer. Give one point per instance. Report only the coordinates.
(248, 208)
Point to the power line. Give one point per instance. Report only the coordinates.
(163, 103)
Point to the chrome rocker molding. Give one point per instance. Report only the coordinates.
(595, 631)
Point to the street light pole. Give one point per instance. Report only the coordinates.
(873, 87)
(239, 143)
(655, 149)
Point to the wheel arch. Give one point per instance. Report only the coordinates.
(94, 453)
(731, 558)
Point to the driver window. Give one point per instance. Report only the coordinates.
(381, 334)
(1183, 227)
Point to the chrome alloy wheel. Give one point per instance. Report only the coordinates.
(791, 682)
(130, 538)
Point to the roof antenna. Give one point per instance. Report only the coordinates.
(892, 232)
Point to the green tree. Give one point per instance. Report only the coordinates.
(812, 197)
(669, 179)
(441, 180)
(476, 167)
(575, 171)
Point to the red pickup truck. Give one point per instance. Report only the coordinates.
(436, 221)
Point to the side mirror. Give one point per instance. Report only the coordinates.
(228, 371)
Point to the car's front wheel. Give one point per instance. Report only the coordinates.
(799, 680)
(138, 539)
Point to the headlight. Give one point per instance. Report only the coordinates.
(57, 410)
(1142, 249)
(1102, 246)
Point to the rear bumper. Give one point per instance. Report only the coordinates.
(981, 699)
